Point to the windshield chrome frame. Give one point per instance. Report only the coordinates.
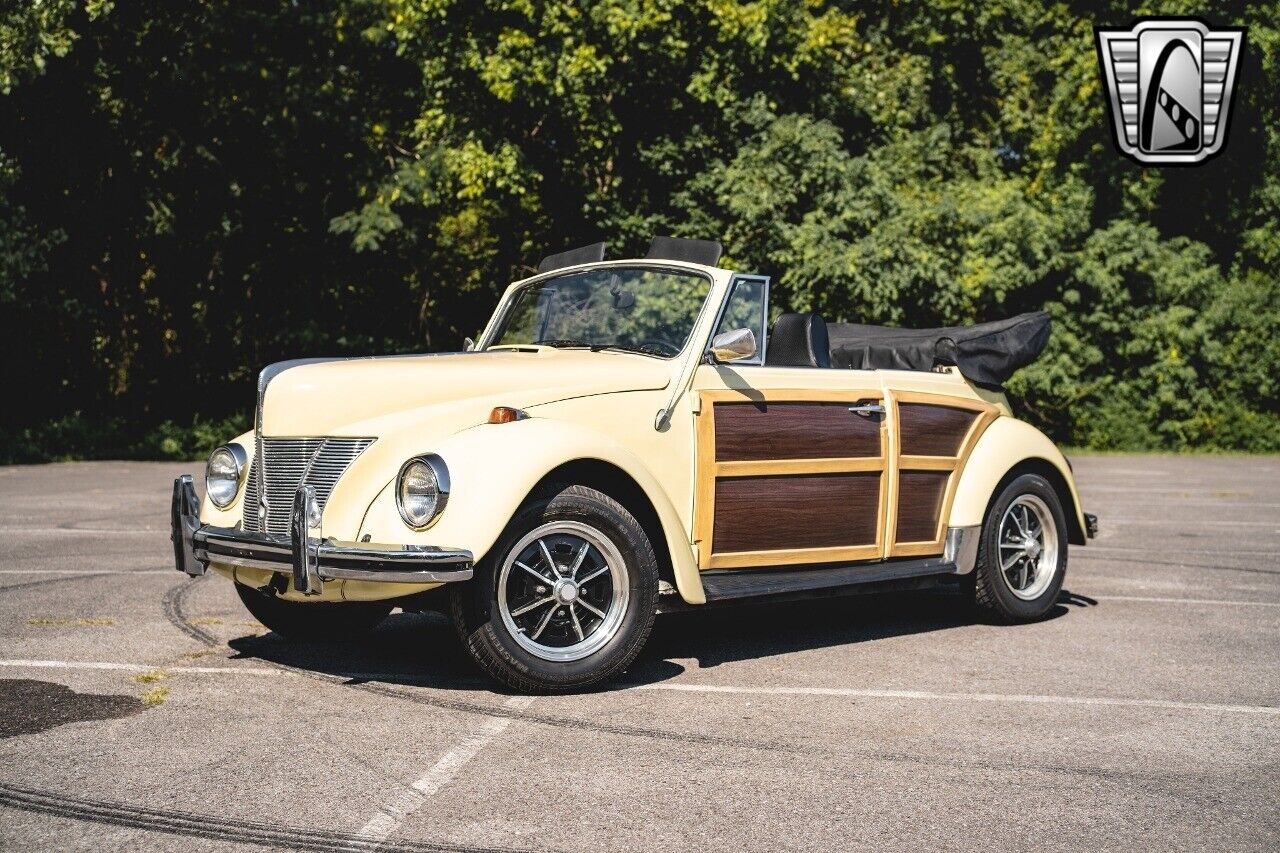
(507, 305)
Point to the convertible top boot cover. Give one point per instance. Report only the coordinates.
(987, 353)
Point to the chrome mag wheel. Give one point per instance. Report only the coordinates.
(563, 591)
(1028, 547)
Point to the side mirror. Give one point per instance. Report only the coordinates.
(468, 345)
(734, 345)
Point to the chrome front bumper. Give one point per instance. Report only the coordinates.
(310, 558)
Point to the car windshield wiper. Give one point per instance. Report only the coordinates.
(640, 348)
(569, 343)
(564, 343)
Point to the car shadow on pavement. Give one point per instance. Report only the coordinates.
(757, 631)
(422, 650)
(415, 649)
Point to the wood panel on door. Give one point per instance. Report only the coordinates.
(936, 433)
(787, 477)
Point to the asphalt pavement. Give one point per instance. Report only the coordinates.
(143, 710)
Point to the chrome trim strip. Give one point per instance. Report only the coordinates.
(406, 576)
(962, 548)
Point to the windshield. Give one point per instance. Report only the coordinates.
(631, 308)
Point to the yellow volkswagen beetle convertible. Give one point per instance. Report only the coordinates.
(625, 437)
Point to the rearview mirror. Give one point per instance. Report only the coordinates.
(734, 345)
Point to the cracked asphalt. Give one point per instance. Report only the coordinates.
(142, 710)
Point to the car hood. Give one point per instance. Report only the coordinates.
(370, 396)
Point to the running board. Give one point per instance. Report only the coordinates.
(749, 583)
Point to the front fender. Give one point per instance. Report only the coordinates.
(494, 467)
(1006, 443)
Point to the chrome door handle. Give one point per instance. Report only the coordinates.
(867, 409)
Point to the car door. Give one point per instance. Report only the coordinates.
(787, 472)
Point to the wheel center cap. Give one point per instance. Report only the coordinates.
(565, 591)
(1032, 547)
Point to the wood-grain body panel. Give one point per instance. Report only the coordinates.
(920, 497)
(933, 430)
(786, 513)
(753, 432)
(936, 434)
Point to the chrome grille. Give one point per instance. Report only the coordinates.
(293, 462)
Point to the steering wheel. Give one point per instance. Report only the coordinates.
(661, 344)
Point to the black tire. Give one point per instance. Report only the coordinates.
(993, 589)
(479, 620)
(301, 620)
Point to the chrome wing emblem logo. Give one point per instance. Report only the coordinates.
(1169, 84)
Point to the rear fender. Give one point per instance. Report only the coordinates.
(1006, 445)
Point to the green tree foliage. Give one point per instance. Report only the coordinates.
(191, 190)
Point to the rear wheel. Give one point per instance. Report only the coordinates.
(301, 620)
(565, 599)
(1022, 556)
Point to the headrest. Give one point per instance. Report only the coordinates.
(799, 340)
(584, 255)
(705, 252)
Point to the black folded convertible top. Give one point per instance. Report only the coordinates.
(986, 353)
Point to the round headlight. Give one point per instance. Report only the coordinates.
(222, 474)
(422, 490)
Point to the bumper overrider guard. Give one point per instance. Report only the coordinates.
(305, 553)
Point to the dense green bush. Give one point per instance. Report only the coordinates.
(191, 190)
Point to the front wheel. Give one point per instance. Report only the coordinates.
(566, 597)
(1022, 555)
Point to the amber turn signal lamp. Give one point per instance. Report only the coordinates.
(505, 415)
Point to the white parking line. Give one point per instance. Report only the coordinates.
(1201, 522)
(865, 693)
(493, 726)
(1172, 600)
(87, 571)
(114, 531)
(137, 667)
(1097, 550)
(390, 815)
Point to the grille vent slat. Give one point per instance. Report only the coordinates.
(286, 461)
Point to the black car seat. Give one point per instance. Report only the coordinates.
(799, 340)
